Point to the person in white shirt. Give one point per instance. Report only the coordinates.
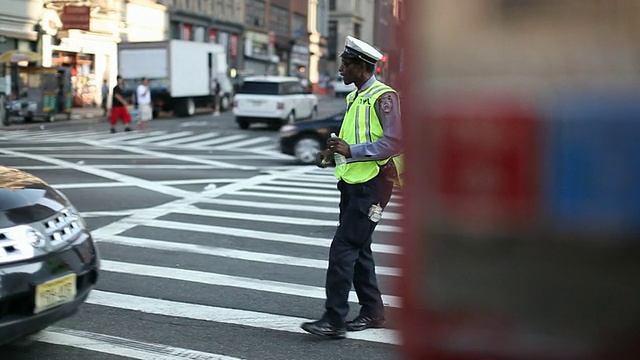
(145, 109)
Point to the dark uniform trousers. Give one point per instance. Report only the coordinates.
(350, 257)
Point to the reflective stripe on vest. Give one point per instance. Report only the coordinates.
(360, 125)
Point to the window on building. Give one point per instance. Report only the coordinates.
(255, 13)
(357, 29)
(332, 5)
(332, 40)
(279, 20)
(299, 26)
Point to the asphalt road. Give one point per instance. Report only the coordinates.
(213, 244)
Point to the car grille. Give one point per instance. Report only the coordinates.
(58, 230)
(62, 228)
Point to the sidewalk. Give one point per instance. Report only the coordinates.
(84, 113)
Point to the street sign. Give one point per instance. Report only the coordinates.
(76, 18)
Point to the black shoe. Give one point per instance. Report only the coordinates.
(113, 130)
(127, 129)
(365, 322)
(323, 328)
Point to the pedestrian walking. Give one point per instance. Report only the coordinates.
(215, 90)
(143, 99)
(105, 96)
(367, 164)
(119, 107)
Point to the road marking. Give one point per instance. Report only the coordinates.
(257, 234)
(126, 136)
(166, 155)
(145, 184)
(161, 210)
(104, 156)
(299, 197)
(210, 278)
(291, 220)
(150, 139)
(216, 141)
(229, 253)
(292, 207)
(240, 144)
(224, 315)
(120, 346)
(331, 179)
(49, 148)
(118, 184)
(189, 138)
(305, 184)
(290, 190)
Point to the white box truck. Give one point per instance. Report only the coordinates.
(181, 73)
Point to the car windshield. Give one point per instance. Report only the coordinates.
(257, 87)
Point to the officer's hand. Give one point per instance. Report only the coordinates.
(321, 156)
(338, 145)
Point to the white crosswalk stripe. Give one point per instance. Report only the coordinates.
(234, 226)
(157, 138)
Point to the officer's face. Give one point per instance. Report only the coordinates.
(349, 70)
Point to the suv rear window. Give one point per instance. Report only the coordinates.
(258, 87)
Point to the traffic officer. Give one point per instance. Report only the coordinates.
(370, 140)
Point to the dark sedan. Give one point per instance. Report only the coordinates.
(48, 260)
(306, 138)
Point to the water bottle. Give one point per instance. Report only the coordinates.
(338, 158)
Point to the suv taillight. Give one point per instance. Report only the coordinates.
(280, 105)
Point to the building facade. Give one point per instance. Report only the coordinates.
(388, 15)
(318, 44)
(215, 21)
(348, 17)
(18, 31)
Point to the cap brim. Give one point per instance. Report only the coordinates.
(350, 53)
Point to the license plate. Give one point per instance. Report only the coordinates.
(55, 292)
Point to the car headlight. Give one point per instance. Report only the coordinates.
(26, 234)
(287, 128)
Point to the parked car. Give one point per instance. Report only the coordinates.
(340, 89)
(48, 259)
(274, 100)
(305, 139)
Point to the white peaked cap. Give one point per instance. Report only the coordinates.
(356, 48)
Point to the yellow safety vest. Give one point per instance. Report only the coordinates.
(360, 125)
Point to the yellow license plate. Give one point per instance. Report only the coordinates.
(55, 292)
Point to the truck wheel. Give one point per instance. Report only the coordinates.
(187, 107)
(190, 107)
(242, 123)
